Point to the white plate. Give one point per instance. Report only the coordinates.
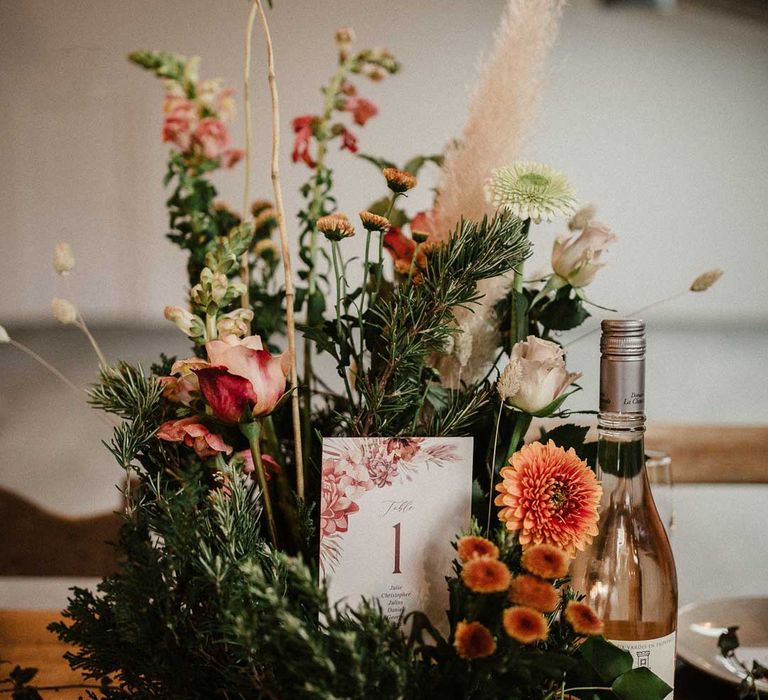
(700, 624)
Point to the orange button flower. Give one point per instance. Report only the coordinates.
(534, 592)
(549, 495)
(525, 625)
(583, 619)
(546, 561)
(472, 546)
(486, 575)
(473, 640)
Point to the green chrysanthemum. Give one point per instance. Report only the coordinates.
(531, 191)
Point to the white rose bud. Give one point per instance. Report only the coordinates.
(4, 337)
(577, 259)
(582, 217)
(535, 376)
(63, 258)
(64, 311)
(185, 321)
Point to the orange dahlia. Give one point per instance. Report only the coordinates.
(549, 495)
(471, 546)
(583, 619)
(486, 575)
(534, 592)
(525, 625)
(473, 640)
(546, 561)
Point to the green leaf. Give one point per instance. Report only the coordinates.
(607, 659)
(567, 436)
(520, 302)
(415, 164)
(640, 684)
(380, 163)
(563, 314)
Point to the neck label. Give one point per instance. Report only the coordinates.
(622, 386)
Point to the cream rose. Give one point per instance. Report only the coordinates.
(535, 377)
(576, 260)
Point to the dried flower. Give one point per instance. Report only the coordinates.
(535, 379)
(335, 227)
(471, 546)
(473, 640)
(399, 180)
(582, 217)
(576, 260)
(63, 258)
(4, 337)
(266, 248)
(187, 322)
(486, 575)
(374, 222)
(266, 218)
(419, 236)
(64, 311)
(259, 205)
(531, 191)
(706, 279)
(549, 496)
(534, 592)
(545, 560)
(345, 35)
(583, 619)
(462, 347)
(525, 625)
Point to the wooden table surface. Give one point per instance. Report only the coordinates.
(25, 641)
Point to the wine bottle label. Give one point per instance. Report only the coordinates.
(622, 386)
(656, 654)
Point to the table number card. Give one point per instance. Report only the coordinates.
(389, 510)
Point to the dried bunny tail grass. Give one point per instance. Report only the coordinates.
(501, 111)
(501, 114)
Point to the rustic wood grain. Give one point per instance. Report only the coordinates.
(24, 640)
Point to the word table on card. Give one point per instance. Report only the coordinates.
(389, 510)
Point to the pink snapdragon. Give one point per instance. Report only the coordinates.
(192, 433)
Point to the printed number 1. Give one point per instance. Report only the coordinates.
(397, 549)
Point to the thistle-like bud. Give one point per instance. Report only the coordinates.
(399, 180)
(64, 311)
(4, 337)
(266, 217)
(706, 279)
(259, 205)
(187, 322)
(420, 236)
(267, 249)
(582, 217)
(374, 222)
(63, 258)
(335, 227)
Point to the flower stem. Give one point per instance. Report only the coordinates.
(522, 422)
(80, 323)
(340, 292)
(412, 267)
(362, 298)
(252, 431)
(210, 326)
(517, 286)
(286, 253)
(245, 272)
(380, 268)
(493, 469)
(40, 360)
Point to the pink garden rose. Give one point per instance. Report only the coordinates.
(576, 260)
(240, 375)
(212, 136)
(192, 433)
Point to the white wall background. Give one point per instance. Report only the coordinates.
(661, 119)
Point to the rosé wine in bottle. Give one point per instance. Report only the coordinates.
(628, 572)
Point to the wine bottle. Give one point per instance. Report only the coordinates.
(628, 572)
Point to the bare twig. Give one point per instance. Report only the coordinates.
(245, 273)
(286, 252)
